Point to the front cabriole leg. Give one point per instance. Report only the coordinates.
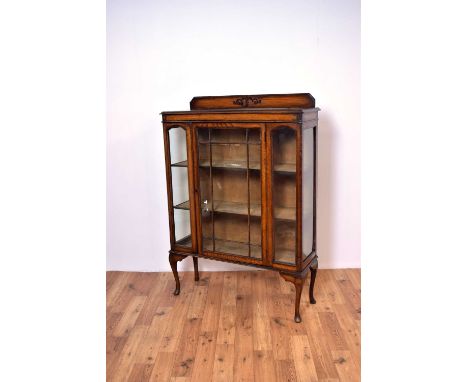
(173, 259)
(313, 275)
(298, 283)
(195, 268)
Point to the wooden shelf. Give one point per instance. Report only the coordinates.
(179, 164)
(281, 213)
(242, 249)
(229, 143)
(285, 213)
(185, 241)
(289, 168)
(280, 167)
(237, 208)
(183, 206)
(233, 247)
(231, 164)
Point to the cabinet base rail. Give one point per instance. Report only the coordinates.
(296, 278)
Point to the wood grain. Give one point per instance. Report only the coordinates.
(228, 327)
(205, 116)
(301, 100)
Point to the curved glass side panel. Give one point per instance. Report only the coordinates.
(308, 228)
(180, 186)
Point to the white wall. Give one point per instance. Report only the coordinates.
(162, 53)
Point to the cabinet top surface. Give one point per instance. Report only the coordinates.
(243, 111)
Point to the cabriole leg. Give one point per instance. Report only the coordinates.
(313, 274)
(298, 283)
(173, 259)
(195, 268)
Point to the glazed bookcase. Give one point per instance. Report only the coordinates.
(242, 184)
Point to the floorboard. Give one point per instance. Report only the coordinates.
(232, 326)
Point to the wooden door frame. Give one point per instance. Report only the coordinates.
(270, 128)
(221, 255)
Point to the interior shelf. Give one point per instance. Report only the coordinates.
(285, 213)
(180, 164)
(281, 213)
(242, 249)
(231, 164)
(285, 167)
(237, 208)
(280, 167)
(230, 143)
(183, 206)
(233, 247)
(185, 241)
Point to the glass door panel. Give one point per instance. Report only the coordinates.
(283, 141)
(230, 191)
(180, 186)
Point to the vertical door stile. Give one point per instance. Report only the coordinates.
(196, 182)
(298, 129)
(267, 250)
(192, 197)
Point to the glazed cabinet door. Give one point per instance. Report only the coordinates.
(180, 190)
(284, 195)
(229, 186)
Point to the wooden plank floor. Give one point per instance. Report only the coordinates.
(232, 326)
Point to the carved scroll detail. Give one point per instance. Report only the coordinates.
(244, 101)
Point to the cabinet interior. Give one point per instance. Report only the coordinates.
(230, 188)
(283, 143)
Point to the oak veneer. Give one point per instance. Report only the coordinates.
(241, 181)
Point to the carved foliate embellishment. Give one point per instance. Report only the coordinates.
(244, 101)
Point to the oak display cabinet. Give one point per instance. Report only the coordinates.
(241, 183)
